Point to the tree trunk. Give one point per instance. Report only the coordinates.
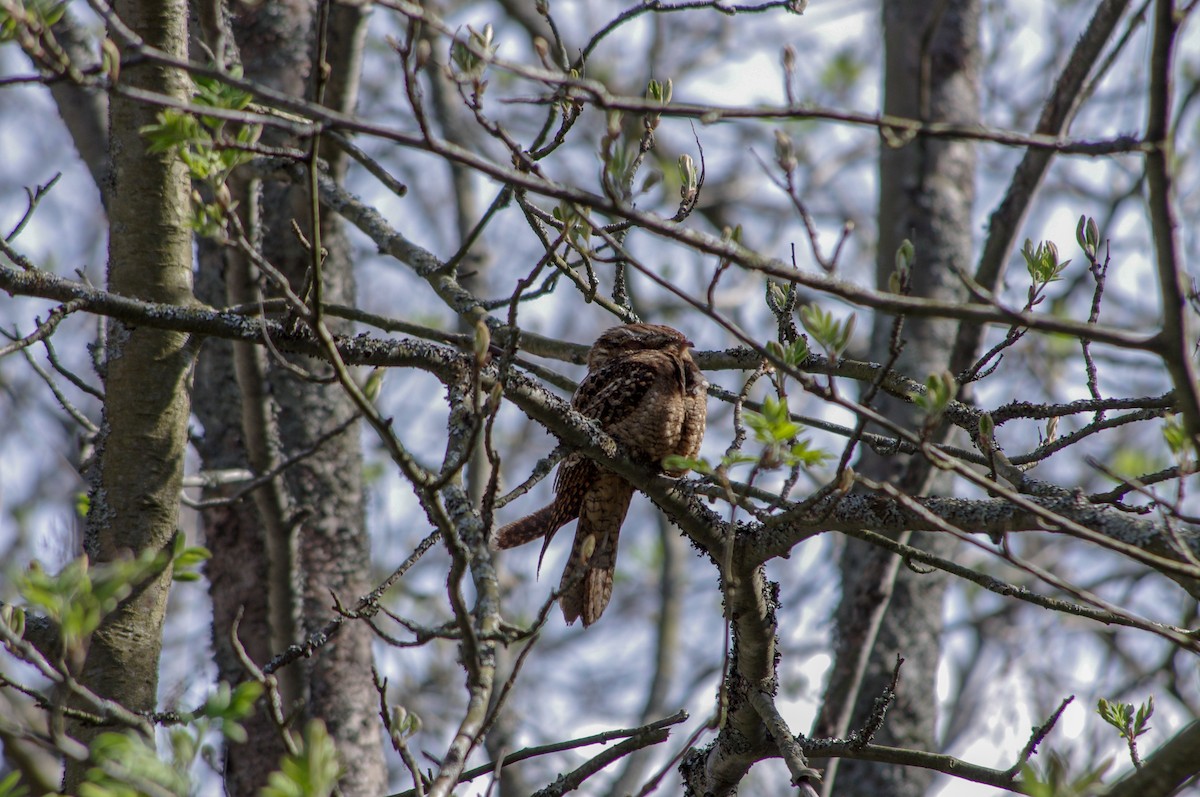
(926, 190)
(234, 533)
(134, 504)
(318, 504)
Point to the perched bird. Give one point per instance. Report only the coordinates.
(646, 392)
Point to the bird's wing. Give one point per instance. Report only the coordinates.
(609, 394)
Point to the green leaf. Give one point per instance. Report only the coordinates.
(773, 424)
(1132, 461)
(184, 745)
(987, 430)
(795, 353)
(901, 275)
(405, 724)
(54, 13)
(1176, 437)
(1087, 235)
(1055, 778)
(218, 701)
(190, 557)
(173, 129)
(126, 765)
(466, 55)
(689, 176)
(41, 14)
(79, 595)
(758, 423)
(228, 707)
(674, 462)
(1115, 714)
(11, 786)
(216, 93)
(777, 432)
(245, 695)
(660, 92)
(1144, 712)
(940, 390)
(830, 333)
(737, 458)
(312, 772)
(802, 453)
(14, 618)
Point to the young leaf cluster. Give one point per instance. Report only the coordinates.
(831, 334)
(128, 765)
(689, 178)
(41, 13)
(900, 280)
(659, 92)
(185, 558)
(777, 432)
(226, 707)
(78, 596)
(209, 146)
(576, 228)
(793, 354)
(312, 771)
(1056, 779)
(468, 62)
(404, 725)
(1088, 236)
(618, 159)
(1129, 722)
(1177, 439)
(940, 390)
(1044, 267)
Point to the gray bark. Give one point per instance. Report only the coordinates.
(134, 496)
(322, 496)
(926, 194)
(239, 566)
(304, 535)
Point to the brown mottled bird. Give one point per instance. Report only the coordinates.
(646, 392)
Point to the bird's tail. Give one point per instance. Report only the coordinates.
(586, 595)
(587, 580)
(575, 477)
(540, 524)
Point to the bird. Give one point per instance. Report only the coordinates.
(646, 392)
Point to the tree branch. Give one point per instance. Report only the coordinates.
(1178, 336)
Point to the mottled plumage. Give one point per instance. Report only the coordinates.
(644, 390)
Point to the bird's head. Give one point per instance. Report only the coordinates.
(623, 340)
